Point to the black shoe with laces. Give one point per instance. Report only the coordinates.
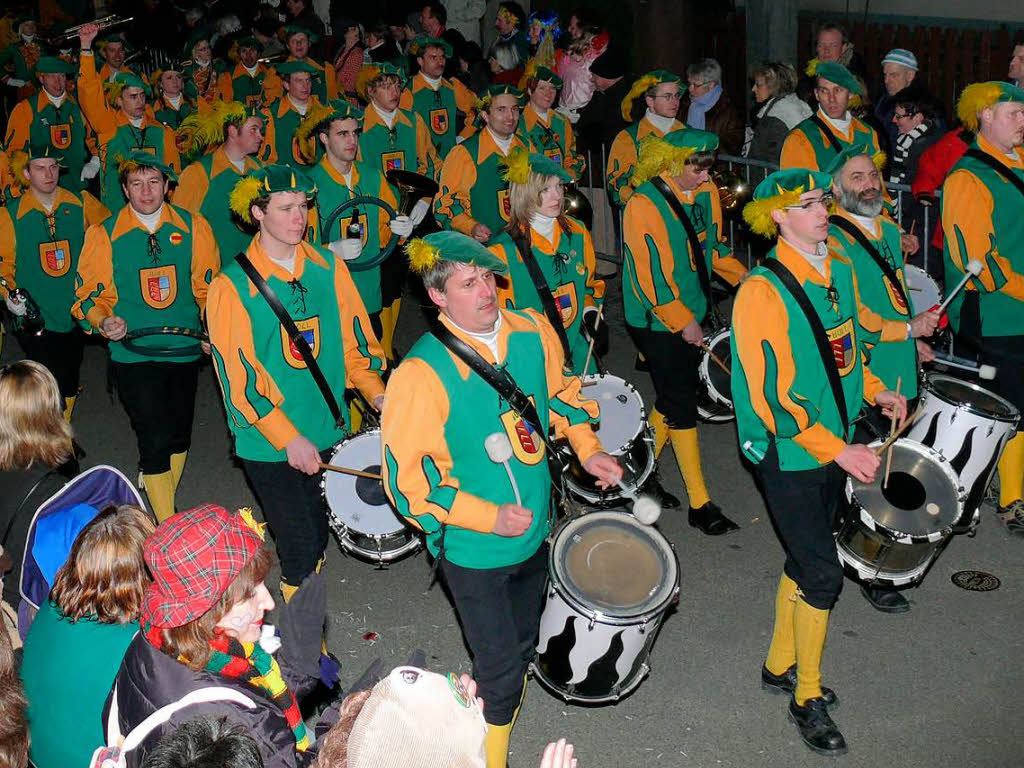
(710, 520)
(885, 600)
(817, 729)
(786, 683)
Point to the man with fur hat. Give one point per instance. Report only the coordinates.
(983, 218)
(797, 385)
(435, 98)
(283, 116)
(662, 92)
(549, 130)
(487, 534)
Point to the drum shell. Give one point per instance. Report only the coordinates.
(859, 545)
(713, 405)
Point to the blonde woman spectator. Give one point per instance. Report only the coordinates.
(779, 110)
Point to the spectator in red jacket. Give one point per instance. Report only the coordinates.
(935, 164)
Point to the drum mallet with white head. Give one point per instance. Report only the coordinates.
(973, 270)
(646, 509)
(986, 372)
(499, 450)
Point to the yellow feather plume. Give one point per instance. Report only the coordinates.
(879, 159)
(304, 133)
(112, 91)
(199, 131)
(240, 200)
(975, 98)
(812, 67)
(531, 69)
(517, 166)
(19, 162)
(855, 102)
(639, 87)
(656, 156)
(366, 74)
(758, 214)
(125, 164)
(251, 523)
(422, 255)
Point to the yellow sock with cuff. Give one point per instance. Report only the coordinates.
(178, 467)
(160, 490)
(657, 422)
(684, 443)
(782, 651)
(810, 627)
(496, 745)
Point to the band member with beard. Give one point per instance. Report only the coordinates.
(549, 130)
(247, 80)
(438, 100)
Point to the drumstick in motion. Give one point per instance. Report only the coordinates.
(892, 429)
(716, 358)
(906, 425)
(349, 471)
(590, 349)
(973, 270)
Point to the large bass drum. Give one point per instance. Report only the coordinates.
(611, 582)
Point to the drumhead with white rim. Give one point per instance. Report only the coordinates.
(622, 410)
(359, 503)
(924, 291)
(969, 395)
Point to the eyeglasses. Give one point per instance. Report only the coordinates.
(694, 86)
(901, 115)
(673, 96)
(825, 200)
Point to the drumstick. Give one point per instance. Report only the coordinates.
(973, 270)
(348, 471)
(715, 357)
(892, 428)
(590, 349)
(893, 438)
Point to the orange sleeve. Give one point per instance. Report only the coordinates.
(205, 259)
(465, 102)
(621, 161)
(18, 126)
(503, 283)
(92, 101)
(797, 152)
(95, 211)
(723, 262)
(332, 81)
(595, 285)
(453, 206)
(427, 159)
(171, 156)
(8, 249)
(405, 100)
(96, 294)
(273, 86)
(193, 184)
(268, 152)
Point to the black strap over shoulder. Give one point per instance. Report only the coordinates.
(691, 234)
(995, 165)
(547, 300)
(820, 336)
(883, 263)
(831, 137)
(296, 337)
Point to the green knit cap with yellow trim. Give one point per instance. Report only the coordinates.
(320, 115)
(836, 73)
(670, 152)
(520, 163)
(421, 43)
(981, 96)
(878, 158)
(266, 181)
(139, 158)
(426, 252)
(781, 190)
(642, 85)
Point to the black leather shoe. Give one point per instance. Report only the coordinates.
(885, 600)
(710, 520)
(786, 683)
(654, 487)
(816, 727)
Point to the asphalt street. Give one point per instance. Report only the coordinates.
(938, 686)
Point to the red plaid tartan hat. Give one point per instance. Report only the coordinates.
(194, 556)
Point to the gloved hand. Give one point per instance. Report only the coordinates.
(419, 212)
(15, 306)
(90, 169)
(598, 334)
(14, 82)
(401, 226)
(346, 249)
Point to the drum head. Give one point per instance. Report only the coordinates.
(612, 564)
(358, 502)
(622, 410)
(720, 382)
(974, 398)
(921, 498)
(924, 291)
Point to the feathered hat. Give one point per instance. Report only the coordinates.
(266, 181)
(781, 190)
(421, 43)
(981, 96)
(670, 152)
(485, 97)
(138, 158)
(204, 129)
(427, 252)
(33, 151)
(520, 163)
(316, 116)
(370, 73)
(644, 84)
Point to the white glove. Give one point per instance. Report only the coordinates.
(419, 212)
(346, 249)
(90, 169)
(15, 82)
(15, 307)
(401, 226)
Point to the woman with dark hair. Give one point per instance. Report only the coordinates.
(89, 620)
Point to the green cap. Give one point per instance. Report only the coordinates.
(194, 39)
(114, 37)
(266, 181)
(692, 138)
(141, 159)
(670, 152)
(322, 114)
(851, 152)
(421, 43)
(520, 163)
(291, 67)
(131, 80)
(544, 73)
(836, 73)
(297, 29)
(979, 96)
(426, 252)
(487, 95)
(780, 190)
(51, 65)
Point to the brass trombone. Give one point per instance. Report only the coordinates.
(106, 22)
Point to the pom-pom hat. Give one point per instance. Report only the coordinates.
(426, 252)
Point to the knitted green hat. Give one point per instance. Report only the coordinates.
(426, 252)
(836, 73)
(266, 181)
(781, 190)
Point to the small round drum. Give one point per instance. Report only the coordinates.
(624, 433)
(611, 582)
(358, 511)
(714, 397)
(890, 535)
(923, 291)
(969, 426)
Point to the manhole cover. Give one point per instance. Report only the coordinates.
(975, 581)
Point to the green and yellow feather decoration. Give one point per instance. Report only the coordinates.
(241, 197)
(202, 130)
(19, 162)
(758, 213)
(422, 255)
(304, 134)
(656, 156)
(641, 86)
(812, 67)
(974, 99)
(517, 166)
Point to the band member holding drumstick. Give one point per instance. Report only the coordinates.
(983, 217)
(281, 421)
(41, 237)
(149, 267)
(486, 528)
(797, 392)
(666, 291)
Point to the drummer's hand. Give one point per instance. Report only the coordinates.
(693, 333)
(87, 34)
(481, 233)
(513, 520)
(909, 243)
(303, 456)
(558, 754)
(925, 353)
(205, 346)
(859, 461)
(605, 468)
(378, 403)
(114, 327)
(894, 406)
(924, 324)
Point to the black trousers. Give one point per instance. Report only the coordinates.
(499, 609)
(160, 399)
(61, 353)
(674, 365)
(293, 505)
(803, 506)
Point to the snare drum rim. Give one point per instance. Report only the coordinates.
(704, 372)
(643, 617)
(929, 379)
(633, 391)
(615, 494)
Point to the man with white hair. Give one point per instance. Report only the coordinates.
(708, 108)
(900, 81)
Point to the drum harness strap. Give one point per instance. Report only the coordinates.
(829, 136)
(976, 154)
(818, 332)
(883, 264)
(295, 336)
(547, 300)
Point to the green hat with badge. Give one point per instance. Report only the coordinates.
(138, 158)
(421, 43)
(51, 65)
(670, 152)
(781, 190)
(836, 73)
(520, 163)
(291, 67)
(878, 158)
(426, 252)
(266, 181)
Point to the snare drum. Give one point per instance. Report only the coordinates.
(969, 426)
(623, 432)
(890, 535)
(714, 397)
(922, 290)
(358, 512)
(611, 582)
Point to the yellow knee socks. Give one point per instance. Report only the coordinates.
(496, 745)
(660, 428)
(355, 417)
(782, 651)
(160, 490)
(810, 626)
(178, 467)
(69, 408)
(684, 443)
(1011, 471)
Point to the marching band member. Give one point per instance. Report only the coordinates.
(113, 48)
(549, 130)
(203, 75)
(172, 106)
(280, 422)
(150, 266)
(795, 427)
(666, 293)
(282, 116)
(438, 100)
(663, 93)
(121, 130)
(41, 237)
(562, 250)
(983, 218)
(325, 83)
(18, 60)
(247, 82)
(488, 535)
